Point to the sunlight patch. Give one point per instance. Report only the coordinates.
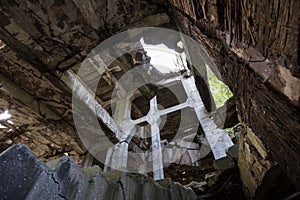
(163, 58)
(5, 115)
(2, 44)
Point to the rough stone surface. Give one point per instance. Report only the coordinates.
(252, 166)
(24, 176)
(73, 182)
(98, 185)
(262, 178)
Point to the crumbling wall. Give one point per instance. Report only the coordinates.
(271, 27)
(256, 52)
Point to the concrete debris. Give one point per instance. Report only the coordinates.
(211, 178)
(197, 186)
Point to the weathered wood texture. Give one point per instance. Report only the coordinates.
(272, 27)
(262, 105)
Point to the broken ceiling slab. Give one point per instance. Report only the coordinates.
(151, 21)
(37, 90)
(29, 100)
(47, 138)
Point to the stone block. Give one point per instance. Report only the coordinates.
(24, 176)
(73, 182)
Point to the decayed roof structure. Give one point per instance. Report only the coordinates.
(255, 49)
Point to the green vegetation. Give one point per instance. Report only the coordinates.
(219, 90)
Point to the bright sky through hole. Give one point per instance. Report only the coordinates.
(1, 126)
(163, 58)
(10, 122)
(5, 115)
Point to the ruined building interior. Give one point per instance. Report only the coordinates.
(149, 99)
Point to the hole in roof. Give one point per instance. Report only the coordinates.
(167, 60)
(5, 115)
(164, 59)
(2, 127)
(2, 44)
